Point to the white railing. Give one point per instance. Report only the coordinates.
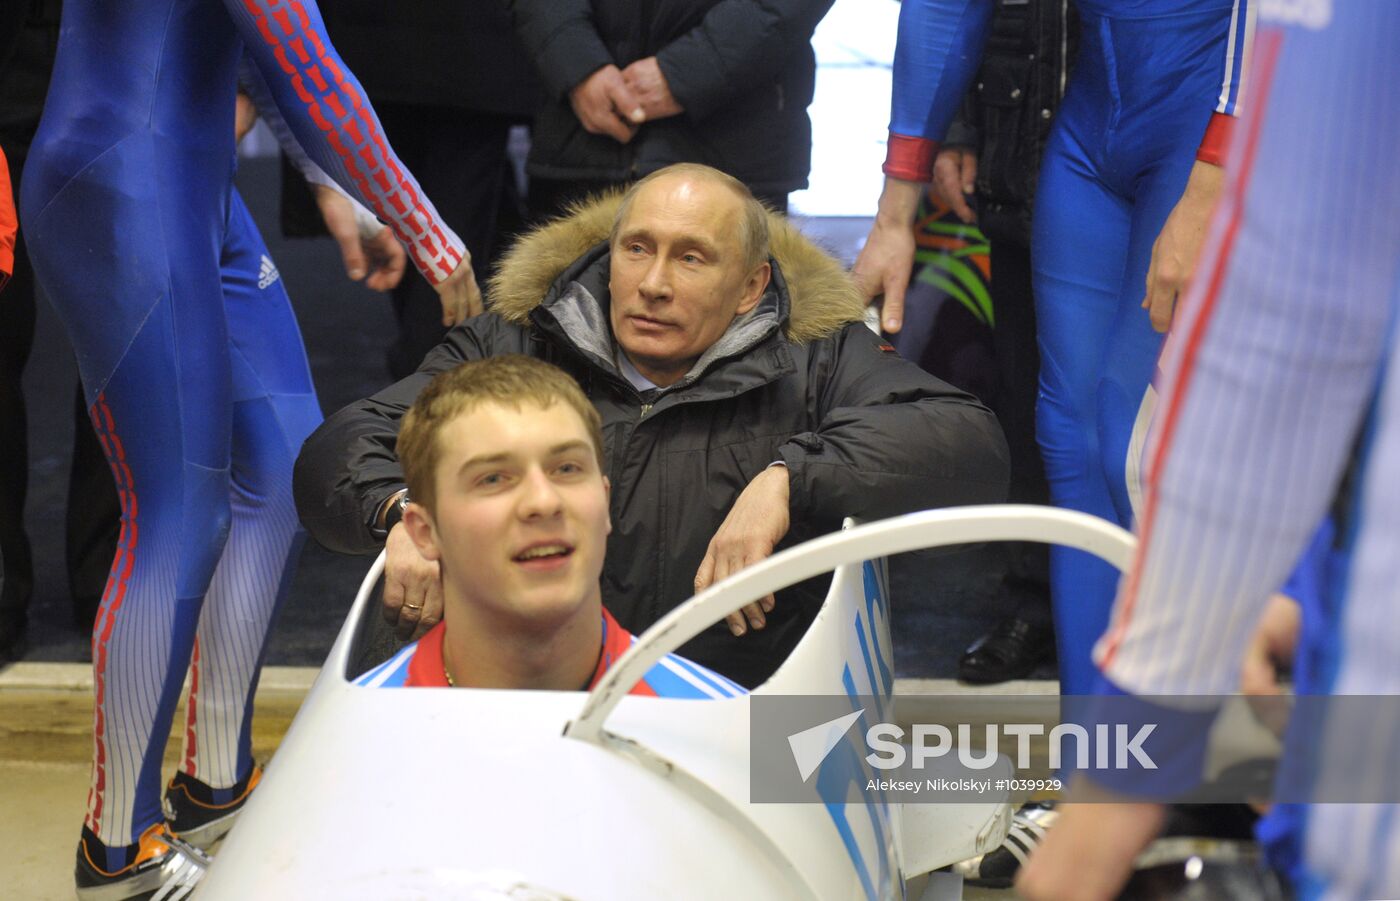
(914, 531)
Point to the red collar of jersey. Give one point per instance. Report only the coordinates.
(426, 668)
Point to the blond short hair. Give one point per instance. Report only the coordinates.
(511, 380)
(753, 216)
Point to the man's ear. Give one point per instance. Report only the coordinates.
(419, 523)
(607, 493)
(754, 286)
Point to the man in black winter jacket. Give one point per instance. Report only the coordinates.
(745, 407)
(632, 86)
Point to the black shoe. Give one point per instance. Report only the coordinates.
(1010, 651)
(999, 866)
(194, 815)
(161, 866)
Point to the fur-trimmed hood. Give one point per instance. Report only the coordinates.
(821, 296)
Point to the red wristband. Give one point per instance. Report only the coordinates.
(1216, 143)
(910, 158)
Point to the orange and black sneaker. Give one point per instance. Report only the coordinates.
(200, 814)
(159, 865)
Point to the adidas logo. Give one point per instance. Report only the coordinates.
(267, 272)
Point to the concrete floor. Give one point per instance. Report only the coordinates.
(45, 749)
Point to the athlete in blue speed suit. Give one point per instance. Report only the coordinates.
(192, 365)
(1125, 141)
(1155, 80)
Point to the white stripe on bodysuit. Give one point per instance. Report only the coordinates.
(1240, 43)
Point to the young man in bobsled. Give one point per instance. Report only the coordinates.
(504, 460)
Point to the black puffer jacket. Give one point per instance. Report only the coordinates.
(743, 70)
(863, 432)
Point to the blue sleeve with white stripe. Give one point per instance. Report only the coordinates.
(1237, 57)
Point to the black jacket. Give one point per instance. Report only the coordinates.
(462, 54)
(28, 44)
(1007, 118)
(863, 432)
(743, 70)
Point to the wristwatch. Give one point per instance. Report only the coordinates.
(390, 515)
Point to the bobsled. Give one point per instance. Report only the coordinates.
(471, 793)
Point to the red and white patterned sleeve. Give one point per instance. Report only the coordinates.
(331, 117)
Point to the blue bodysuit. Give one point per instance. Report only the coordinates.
(189, 352)
(1154, 81)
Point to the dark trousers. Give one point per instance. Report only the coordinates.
(459, 158)
(1017, 356)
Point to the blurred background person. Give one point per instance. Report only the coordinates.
(28, 41)
(973, 236)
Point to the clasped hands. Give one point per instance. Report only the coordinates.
(615, 102)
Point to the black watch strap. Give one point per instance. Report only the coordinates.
(393, 515)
